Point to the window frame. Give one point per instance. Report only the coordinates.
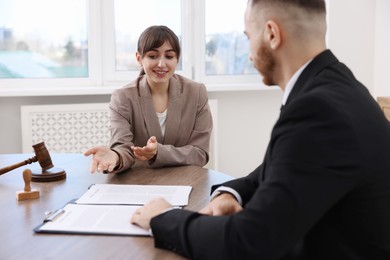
(219, 82)
(103, 78)
(60, 86)
(113, 77)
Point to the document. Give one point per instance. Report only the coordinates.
(134, 194)
(108, 208)
(93, 219)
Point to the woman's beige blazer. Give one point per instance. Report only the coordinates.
(188, 125)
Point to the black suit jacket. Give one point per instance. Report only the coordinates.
(323, 190)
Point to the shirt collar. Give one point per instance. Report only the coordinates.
(292, 81)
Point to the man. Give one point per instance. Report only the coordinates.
(323, 190)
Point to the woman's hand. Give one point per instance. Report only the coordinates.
(147, 152)
(104, 159)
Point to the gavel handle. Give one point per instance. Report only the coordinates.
(17, 165)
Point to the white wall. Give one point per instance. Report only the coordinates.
(352, 36)
(245, 121)
(382, 49)
(358, 35)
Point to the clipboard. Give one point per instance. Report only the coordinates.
(92, 219)
(106, 209)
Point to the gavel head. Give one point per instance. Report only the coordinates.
(43, 156)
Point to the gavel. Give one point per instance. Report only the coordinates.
(48, 172)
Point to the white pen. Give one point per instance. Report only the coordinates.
(54, 215)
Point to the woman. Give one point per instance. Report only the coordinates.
(160, 117)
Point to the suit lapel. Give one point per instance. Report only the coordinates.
(148, 112)
(302, 85)
(174, 112)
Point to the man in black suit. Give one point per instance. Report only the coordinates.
(323, 190)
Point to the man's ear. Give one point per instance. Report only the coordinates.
(273, 34)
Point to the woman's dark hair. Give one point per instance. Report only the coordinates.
(154, 37)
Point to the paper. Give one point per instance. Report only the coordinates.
(98, 219)
(122, 194)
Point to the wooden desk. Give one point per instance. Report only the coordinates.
(18, 218)
(384, 103)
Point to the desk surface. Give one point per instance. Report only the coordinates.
(18, 218)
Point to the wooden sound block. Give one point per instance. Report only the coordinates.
(52, 174)
(27, 195)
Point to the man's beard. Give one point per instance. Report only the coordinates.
(265, 64)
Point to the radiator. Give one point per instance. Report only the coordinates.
(69, 128)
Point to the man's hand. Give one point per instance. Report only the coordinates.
(147, 152)
(143, 215)
(222, 205)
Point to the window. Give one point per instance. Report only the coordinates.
(88, 46)
(226, 44)
(130, 19)
(129, 27)
(223, 46)
(39, 40)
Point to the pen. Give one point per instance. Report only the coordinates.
(54, 215)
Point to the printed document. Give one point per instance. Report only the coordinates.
(94, 219)
(124, 194)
